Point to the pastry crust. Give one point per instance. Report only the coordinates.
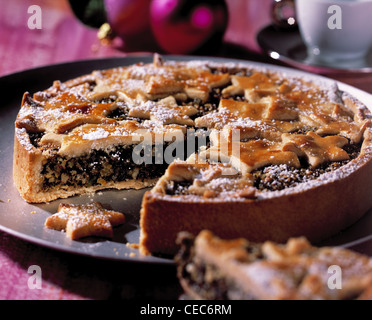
(26, 165)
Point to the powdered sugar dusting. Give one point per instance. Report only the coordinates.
(97, 134)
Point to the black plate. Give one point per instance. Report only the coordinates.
(27, 220)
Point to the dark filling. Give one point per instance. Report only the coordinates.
(279, 177)
(177, 188)
(35, 138)
(215, 283)
(206, 280)
(121, 113)
(98, 168)
(210, 284)
(212, 103)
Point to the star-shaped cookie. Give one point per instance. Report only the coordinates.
(85, 220)
(317, 149)
(254, 87)
(165, 111)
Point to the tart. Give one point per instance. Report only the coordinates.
(211, 268)
(302, 154)
(234, 148)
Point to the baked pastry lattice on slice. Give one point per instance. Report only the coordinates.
(216, 269)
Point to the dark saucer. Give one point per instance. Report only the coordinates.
(287, 46)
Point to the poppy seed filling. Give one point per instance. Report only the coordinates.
(98, 168)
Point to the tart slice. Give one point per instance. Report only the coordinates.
(216, 269)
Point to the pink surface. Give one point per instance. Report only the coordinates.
(61, 39)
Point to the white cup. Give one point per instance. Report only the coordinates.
(335, 30)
